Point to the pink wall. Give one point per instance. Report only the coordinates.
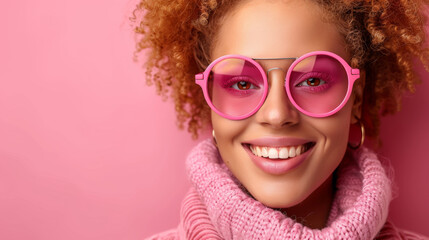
(87, 151)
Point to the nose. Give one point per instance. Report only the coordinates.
(277, 111)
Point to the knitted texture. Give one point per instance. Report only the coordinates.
(216, 207)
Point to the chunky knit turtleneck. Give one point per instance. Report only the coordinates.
(216, 207)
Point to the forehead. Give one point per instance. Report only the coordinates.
(277, 29)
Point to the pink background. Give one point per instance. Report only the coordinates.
(87, 151)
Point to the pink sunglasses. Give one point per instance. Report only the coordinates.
(318, 84)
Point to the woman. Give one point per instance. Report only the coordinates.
(281, 83)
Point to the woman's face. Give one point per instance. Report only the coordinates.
(278, 29)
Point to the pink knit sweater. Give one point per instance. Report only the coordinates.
(217, 208)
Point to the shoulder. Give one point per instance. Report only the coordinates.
(390, 231)
(167, 235)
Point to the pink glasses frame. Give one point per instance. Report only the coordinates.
(352, 75)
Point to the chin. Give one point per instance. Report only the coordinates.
(279, 198)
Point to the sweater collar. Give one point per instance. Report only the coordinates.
(359, 209)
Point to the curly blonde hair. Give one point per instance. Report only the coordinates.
(383, 37)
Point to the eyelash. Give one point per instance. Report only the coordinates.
(236, 79)
(228, 84)
(325, 77)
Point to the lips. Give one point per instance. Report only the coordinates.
(278, 155)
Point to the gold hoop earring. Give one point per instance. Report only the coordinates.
(214, 137)
(362, 139)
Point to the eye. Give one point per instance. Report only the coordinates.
(312, 82)
(242, 85)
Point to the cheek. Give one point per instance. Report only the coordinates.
(334, 135)
(227, 134)
(336, 128)
(225, 130)
(335, 131)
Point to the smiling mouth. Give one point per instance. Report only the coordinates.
(280, 152)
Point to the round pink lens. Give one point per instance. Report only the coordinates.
(318, 84)
(235, 86)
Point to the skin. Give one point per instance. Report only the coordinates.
(274, 29)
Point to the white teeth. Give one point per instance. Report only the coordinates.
(283, 153)
(264, 152)
(273, 153)
(299, 150)
(278, 152)
(292, 152)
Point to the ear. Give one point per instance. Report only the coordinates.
(358, 88)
